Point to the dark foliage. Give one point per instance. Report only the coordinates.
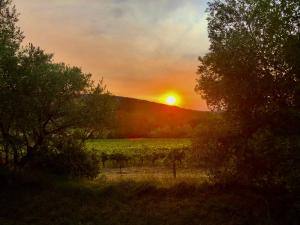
(142, 203)
(42, 101)
(67, 157)
(251, 74)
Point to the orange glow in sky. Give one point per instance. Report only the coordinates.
(171, 98)
(140, 48)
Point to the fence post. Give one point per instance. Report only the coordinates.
(174, 166)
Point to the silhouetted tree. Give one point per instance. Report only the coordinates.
(252, 75)
(10, 40)
(42, 102)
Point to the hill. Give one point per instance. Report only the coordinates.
(140, 118)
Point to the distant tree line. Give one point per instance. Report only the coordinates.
(47, 109)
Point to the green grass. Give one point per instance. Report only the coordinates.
(137, 196)
(138, 146)
(140, 165)
(156, 175)
(141, 144)
(36, 199)
(129, 203)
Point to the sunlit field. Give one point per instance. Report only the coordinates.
(146, 159)
(161, 176)
(131, 146)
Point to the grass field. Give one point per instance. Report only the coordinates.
(146, 159)
(161, 176)
(129, 203)
(139, 195)
(140, 144)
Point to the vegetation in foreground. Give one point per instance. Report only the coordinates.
(28, 201)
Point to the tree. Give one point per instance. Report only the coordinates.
(54, 99)
(42, 102)
(10, 40)
(252, 75)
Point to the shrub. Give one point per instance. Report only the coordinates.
(276, 159)
(264, 159)
(67, 157)
(213, 149)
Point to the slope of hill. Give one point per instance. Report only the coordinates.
(139, 118)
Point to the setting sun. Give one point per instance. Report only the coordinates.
(171, 100)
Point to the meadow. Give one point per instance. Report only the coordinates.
(142, 194)
(146, 159)
(37, 202)
(131, 146)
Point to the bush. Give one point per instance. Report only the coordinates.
(263, 159)
(277, 159)
(213, 150)
(66, 157)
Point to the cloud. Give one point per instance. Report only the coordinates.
(129, 42)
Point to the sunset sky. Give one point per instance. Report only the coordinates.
(143, 49)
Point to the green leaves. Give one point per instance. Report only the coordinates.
(251, 67)
(251, 73)
(41, 100)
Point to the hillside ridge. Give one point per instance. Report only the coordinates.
(124, 98)
(138, 118)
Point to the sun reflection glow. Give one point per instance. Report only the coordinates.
(171, 98)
